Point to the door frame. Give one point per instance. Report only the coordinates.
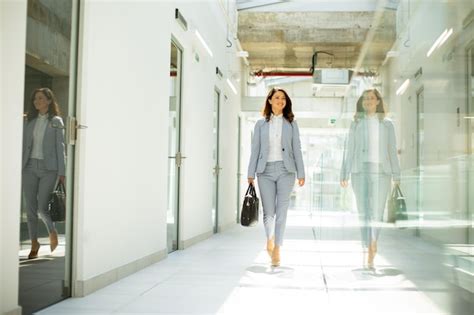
(469, 140)
(179, 109)
(239, 165)
(217, 168)
(419, 148)
(72, 127)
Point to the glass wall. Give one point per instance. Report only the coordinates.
(419, 59)
(48, 152)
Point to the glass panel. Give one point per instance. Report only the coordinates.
(420, 155)
(422, 67)
(470, 142)
(173, 148)
(45, 251)
(239, 169)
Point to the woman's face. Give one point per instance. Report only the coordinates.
(278, 102)
(370, 102)
(41, 102)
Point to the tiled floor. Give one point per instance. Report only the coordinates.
(320, 274)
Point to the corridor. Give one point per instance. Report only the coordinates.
(155, 106)
(320, 274)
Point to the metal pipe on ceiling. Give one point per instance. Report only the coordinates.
(282, 74)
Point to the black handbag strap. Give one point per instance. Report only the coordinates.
(397, 192)
(400, 191)
(251, 191)
(394, 192)
(248, 190)
(60, 187)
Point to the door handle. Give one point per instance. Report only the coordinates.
(179, 157)
(71, 129)
(71, 135)
(217, 169)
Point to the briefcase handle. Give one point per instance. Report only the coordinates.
(251, 191)
(60, 187)
(397, 192)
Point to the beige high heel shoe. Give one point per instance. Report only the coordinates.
(53, 241)
(35, 246)
(371, 256)
(270, 246)
(276, 256)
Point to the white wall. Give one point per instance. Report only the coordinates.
(199, 82)
(123, 155)
(12, 63)
(228, 147)
(122, 174)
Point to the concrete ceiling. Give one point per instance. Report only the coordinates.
(286, 41)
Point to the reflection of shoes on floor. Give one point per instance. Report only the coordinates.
(370, 258)
(371, 255)
(53, 241)
(34, 250)
(270, 246)
(276, 256)
(364, 258)
(374, 247)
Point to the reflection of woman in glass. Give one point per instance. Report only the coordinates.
(370, 158)
(276, 158)
(43, 163)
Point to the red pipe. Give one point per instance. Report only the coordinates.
(282, 74)
(304, 74)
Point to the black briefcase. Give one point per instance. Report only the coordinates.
(249, 213)
(57, 203)
(397, 208)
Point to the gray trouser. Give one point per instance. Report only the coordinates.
(38, 183)
(371, 187)
(275, 184)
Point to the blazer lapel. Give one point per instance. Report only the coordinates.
(30, 126)
(382, 136)
(265, 133)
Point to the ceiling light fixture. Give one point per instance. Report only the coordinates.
(440, 41)
(403, 87)
(232, 86)
(203, 42)
(243, 54)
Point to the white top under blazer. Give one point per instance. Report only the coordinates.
(275, 130)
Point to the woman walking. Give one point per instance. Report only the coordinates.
(370, 159)
(276, 158)
(44, 163)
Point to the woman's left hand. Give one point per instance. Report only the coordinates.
(301, 181)
(62, 179)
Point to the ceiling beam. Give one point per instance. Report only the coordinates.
(320, 20)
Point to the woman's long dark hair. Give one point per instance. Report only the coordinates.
(53, 108)
(287, 111)
(360, 110)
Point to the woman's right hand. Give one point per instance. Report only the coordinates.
(250, 180)
(344, 183)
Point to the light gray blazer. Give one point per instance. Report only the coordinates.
(356, 149)
(53, 144)
(290, 144)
